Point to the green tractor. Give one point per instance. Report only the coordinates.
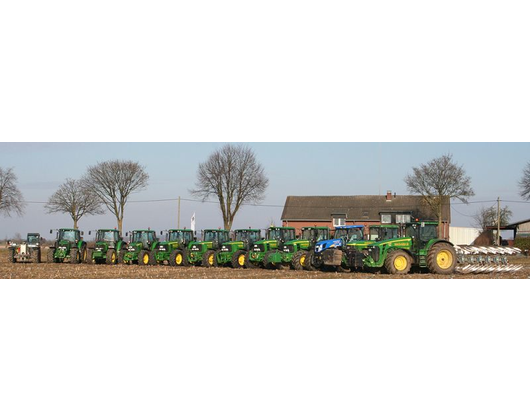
(171, 249)
(109, 244)
(68, 246)
(235, 253)
(140, 249)
(295, 253)
(352, 255)
(203, 252)
(420, 247)
(263, 252)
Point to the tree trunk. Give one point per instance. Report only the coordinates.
(120, 225)
(75, 224)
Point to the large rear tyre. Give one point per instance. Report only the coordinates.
(49, 256)
(239, 259)
(38, 256)
(300, 260)
(83, 255)
(441, 259)
(11, 257)
(398, 262)
(121, 257)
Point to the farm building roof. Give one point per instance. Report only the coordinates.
(358, 207)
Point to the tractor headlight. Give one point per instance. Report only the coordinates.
(319, 248)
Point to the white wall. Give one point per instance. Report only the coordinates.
(462, 235)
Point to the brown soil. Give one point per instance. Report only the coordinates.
(67, 271)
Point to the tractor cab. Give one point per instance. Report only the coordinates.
(145, 237)
(108, 236)
(33, 239)
(182, 236)
(343, 235)
(379, 233)
(421, 233)
(281, 234)
(216, 237)
(247, 236)
(316, 234)
(69, 235)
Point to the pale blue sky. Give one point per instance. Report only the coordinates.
(293, 169)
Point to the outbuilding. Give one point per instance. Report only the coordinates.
(367, 210)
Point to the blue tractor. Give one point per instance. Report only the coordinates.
(322, 255)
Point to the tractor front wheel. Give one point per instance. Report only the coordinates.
(300, 260)
(209, 260)
(398, 262)
(75, 256)
(50, 256)
(110, 258)
(309, 265)
(121, 257)
(441, 259)
(267, 260)
(84, 254)
(239, 259)
(89, 258)
(144, 258)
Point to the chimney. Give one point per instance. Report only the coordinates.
(389, 196)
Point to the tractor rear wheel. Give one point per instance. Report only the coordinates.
(300, 260)
(49, 255)
(239, 259)
(209, 260)
(75, 256)
(89, 258)
(11, 256)
(110, 257)
(341, 269)
(121, 257)
(84, 254)
(398, 262)
(441, 259)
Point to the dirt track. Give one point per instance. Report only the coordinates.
(67, 270)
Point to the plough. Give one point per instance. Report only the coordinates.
(486, 259)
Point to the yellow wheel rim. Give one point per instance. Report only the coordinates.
(241, 259)
(113, 258)
(146, 258)
(302, 260)
(178, 259)
(444, 259)
(210, 260)
(400, 263)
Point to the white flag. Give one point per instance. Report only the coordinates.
(192, 225)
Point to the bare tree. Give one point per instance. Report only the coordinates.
(234, 176)
(488, 217)
(113, 182)
(11, 199)
(75, 199)
(438, 180)
(524, 183)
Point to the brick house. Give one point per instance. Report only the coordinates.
(367, 210)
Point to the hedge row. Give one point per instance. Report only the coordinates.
(522, 243)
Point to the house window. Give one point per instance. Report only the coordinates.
(386, 218)
(402, 218)
(339, 220)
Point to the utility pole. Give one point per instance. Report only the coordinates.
(178, 221)
(498, 221)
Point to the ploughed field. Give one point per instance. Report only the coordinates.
(67, 270)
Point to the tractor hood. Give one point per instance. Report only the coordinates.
(231, 246)
(330, 243)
